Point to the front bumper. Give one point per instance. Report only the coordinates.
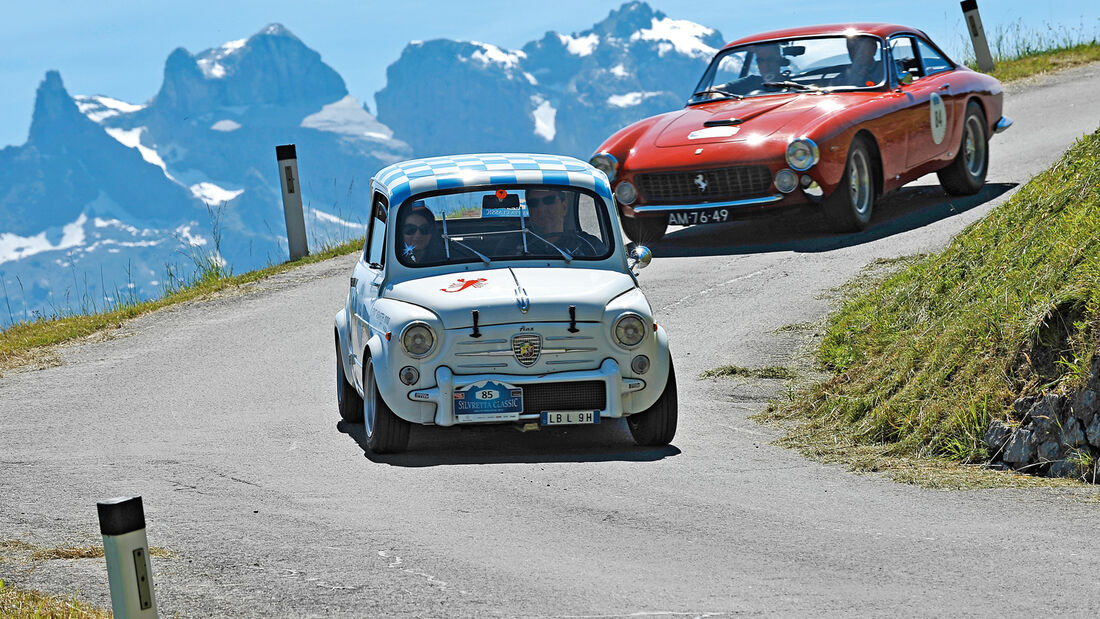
(442, 395)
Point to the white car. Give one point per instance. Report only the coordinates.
(496, 289)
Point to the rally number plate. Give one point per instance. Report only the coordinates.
(488, 400)
(701, 216)
(563, 418)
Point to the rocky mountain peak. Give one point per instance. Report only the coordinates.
(56, 116)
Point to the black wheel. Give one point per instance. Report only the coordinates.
(657, 425)
(348, 399)
(386, 432)
(644, 230)
(965, 175)
(848, 208)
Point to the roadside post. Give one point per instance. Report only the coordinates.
(292, 200)
(126, 549)
(977, 35)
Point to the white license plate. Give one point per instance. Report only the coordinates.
(565, 418)
(701, 216)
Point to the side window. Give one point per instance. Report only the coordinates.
(905, 58)
(933, 61)
(376, 234)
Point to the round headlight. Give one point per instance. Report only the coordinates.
(802, 154)
(786, 180)
(625, 193)
(606, 163)
(629, 331)
(418, 339)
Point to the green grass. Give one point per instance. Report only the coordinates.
(25, 341)
(1022, 49)
(16, 603)
(923, 357)
(1047, 61)
(732, 371)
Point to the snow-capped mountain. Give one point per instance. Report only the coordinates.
(107, 195)
(563, 94)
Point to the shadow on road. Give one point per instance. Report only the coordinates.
(502, 444)
(801, 231)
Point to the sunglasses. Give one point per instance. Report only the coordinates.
(410, 229)
(543, 201)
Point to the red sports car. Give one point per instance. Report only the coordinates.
(828, 116)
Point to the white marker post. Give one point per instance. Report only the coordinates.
(129, 573)
(977, 35)
(292, 201)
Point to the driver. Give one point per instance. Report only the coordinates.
(863, 71)
(547, 210)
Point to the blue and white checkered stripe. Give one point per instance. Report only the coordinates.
(421, 175)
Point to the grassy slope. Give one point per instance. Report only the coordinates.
(925, 357)
(1046, 61)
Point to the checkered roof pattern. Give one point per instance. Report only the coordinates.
(417, 176)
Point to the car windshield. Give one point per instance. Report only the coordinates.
(820, 64)
(517, 222)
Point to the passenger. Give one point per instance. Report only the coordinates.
(769, 65)
(421, 242)
(864, 70)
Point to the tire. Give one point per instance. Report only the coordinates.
(347, 398)
(386, 432)
(644, 230)
(849, 207)
(656, 426)
(965, 175)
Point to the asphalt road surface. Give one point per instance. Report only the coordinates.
(222, 416)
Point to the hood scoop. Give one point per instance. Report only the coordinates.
(723, 122)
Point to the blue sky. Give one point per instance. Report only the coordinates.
(118, 47)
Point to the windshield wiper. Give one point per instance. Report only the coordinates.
(790, 84)
(564, 254)
(717, 91)
(484, 258)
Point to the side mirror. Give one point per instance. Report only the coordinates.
(640, 256)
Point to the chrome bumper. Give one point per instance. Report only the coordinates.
(442, 395)
(1004, 123)
(670, 208)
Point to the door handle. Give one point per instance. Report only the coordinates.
(945, 86)
(354, 281)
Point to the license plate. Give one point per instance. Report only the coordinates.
(701, 216)
(564, 418)
(488, 400)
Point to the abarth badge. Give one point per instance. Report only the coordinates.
(527, 347)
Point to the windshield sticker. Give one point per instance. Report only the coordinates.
(501, 194)
(462, 284)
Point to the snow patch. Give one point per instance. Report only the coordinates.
(333, 219)
(98, 107)
(15, 247)
(619, 71)
(226, 125)
(630, 99)
(347, 117)
(184, 234)
(530, 79)
(212, 195)
(491, 54)
(210, 61)
(677, 34)
(580, 46)
(544, 118)
(132, 139)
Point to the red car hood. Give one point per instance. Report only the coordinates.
(758, 117)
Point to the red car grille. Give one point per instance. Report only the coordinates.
(574, 396)
(705, 185)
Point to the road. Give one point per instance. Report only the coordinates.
(221, 415)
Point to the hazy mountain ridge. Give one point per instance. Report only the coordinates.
(107, 195)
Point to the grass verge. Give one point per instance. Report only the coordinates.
(21, 342)
(1046, 61)
(922, 358)
(734, 371)
(26, 604)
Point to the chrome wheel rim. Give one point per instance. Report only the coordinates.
(368, 399)
(974, 147)
(859, 184)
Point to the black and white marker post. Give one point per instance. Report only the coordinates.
(126, 549)
(292, 201)
(977, 35)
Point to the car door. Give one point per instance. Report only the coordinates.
(926, 117)
(944, 119)
(367, 278)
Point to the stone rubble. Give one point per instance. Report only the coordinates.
(1058, 435)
